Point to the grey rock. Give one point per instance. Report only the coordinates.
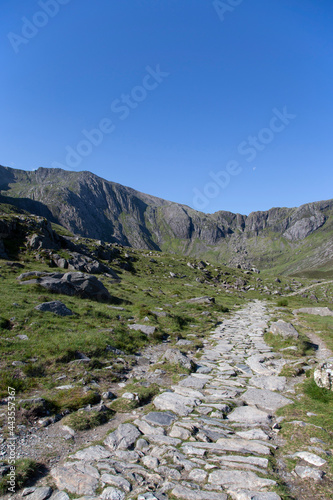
(59, 495)
(311, 458)
(253, 434)
(194, 382)
(239, 479)
(323, 374)
(317, 311)
(249, 415)
(270, 382)
(253, 495)
(80, 284)
(55, 307)
(175, 357)
(111, 493)
(178, 404)
(148, 330)
(117, 480)
(147, 429)
(75, 477)
(164, 418)
(92, 453)
(265, 399)
(41, 493)
(305, 226)
(150, 462)
(123, 437)
(198, 475)
(287, 330)
(309, 473)
(197, 494)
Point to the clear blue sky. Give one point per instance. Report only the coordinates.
(76, 65)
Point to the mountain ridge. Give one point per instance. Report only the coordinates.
(91, 206)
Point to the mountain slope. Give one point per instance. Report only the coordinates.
(286, 239)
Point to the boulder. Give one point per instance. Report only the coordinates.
(323, 374)
(41, 493)
(317, 311)
(175, 357)
(178, 404)
(123, 437)
(85, 264)
(55, 307)
(148, 330)
(80, 284)
(77, 478)
(287, 330)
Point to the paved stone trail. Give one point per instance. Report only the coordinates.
(209, 437)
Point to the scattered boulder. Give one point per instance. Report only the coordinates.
(80, 284)
(317, 311)
(323, 374)
(199, 300)
(148, 330)
(175, 357)
(55, 307)
(287, 330)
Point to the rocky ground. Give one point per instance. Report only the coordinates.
(213, 435)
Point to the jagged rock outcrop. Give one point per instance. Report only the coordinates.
(92, 207)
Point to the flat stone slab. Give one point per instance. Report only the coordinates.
(311, 458)
(270, 382)
(189, 494)
(194, 382)
(239, 479)
(164, 418)
(41, 493)
(249, 415)
(317, 311)
(92, 453)
(77, 478)
(228, 444)
(187, 392)
(253, 434)
(180, 405)
(265, 399)
(253, 495)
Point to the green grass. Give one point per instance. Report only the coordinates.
(25, 470)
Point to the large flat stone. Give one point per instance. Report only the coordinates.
(265, 399)
(92, 453)
(194, 382)
(77, 478)
(188, 494)
(239, 479)
(271, 382)
(253, 495)
(227, 444)
(180, 405)
(249, 415)
(164, 418)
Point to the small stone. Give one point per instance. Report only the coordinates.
(150, 462)
(41, 493)
(198, 475)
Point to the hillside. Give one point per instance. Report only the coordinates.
(283, 240)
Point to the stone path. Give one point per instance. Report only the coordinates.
(305, 289)
(209, 437)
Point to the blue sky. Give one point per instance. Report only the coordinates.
(218, 105)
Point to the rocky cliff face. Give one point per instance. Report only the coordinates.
(93, 207)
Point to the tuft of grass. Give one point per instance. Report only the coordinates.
(83, 420)
(282, 303)
(25, 469)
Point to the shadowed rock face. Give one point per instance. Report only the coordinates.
(93, 207)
